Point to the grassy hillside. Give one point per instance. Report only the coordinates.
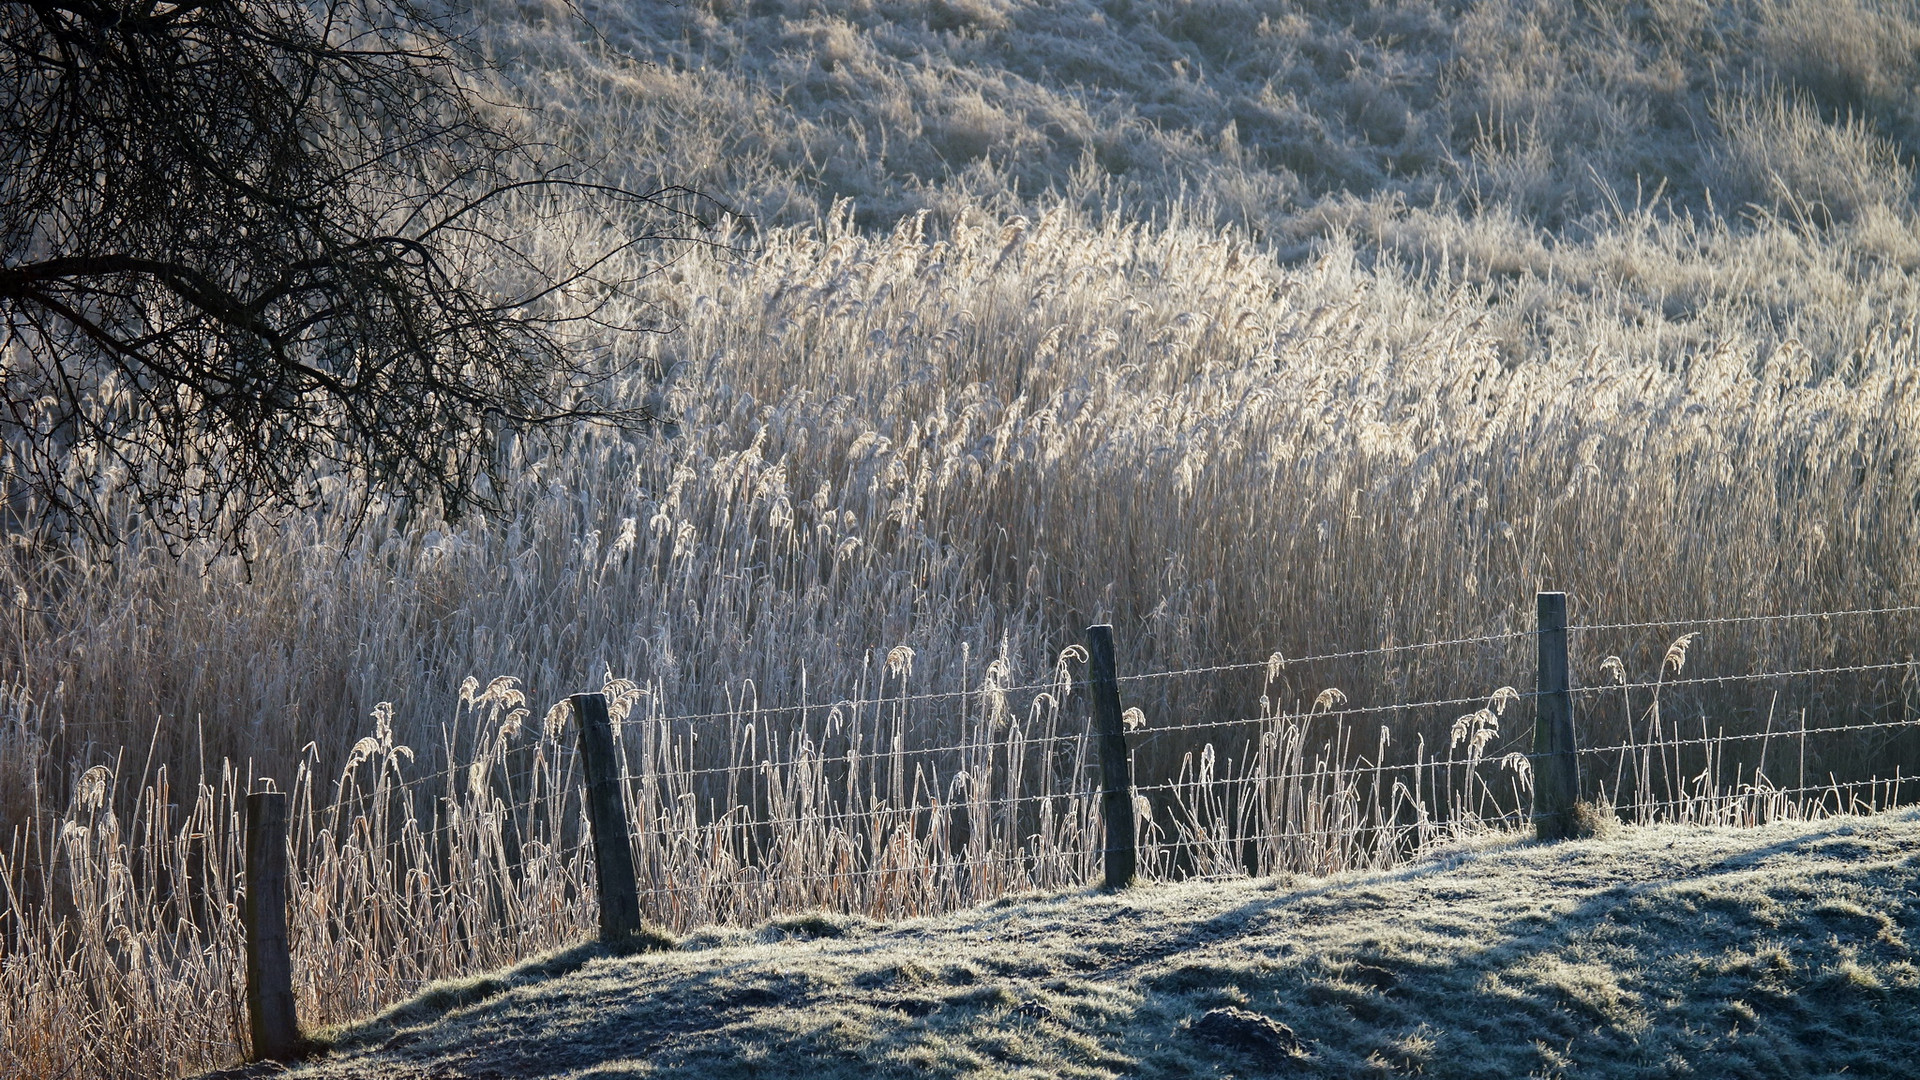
(1551, 113)
(1698, 161)
(1787, 951)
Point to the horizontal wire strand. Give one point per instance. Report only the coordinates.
(1289, 661)
(1353, 775)
(1358, 771)
(854, 703)
(1902, 609)
(1788, 734)
(1055, 685)
(1709, 680)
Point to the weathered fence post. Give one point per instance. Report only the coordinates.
(275, 1030)
(1116, 767)
(612, 847)
(1556, 766)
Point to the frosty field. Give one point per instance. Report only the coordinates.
(1785, 951)
(1303, 342)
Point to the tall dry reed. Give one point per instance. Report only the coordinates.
(975, 445)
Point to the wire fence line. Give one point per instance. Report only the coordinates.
(869, 754)
(1385, 820)
(909, 803)
(1910, 664)
(1339, 713)
(1062, 685)
(988, 689)
(1360, 768)
(1839, 792)
(1278, 660)
(1747, 736)
(1724, 620)
(1017, 798)
(875, 753)
(1057, 688)
(1273, 660)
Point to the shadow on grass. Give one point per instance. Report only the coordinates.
(436, 1001)
(1790, 959)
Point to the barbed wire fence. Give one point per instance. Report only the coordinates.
(847, 769)
(867, 806)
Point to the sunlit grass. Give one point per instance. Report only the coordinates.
(1783, 951)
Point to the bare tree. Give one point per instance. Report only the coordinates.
(255, 250)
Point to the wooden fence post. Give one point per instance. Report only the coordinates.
(612, 846)
(1556, 765)
(1116, 767)
(275, 1030)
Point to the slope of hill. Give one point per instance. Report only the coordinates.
(1781, 951)
(1251, 113)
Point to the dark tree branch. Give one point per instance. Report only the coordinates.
(244, 242)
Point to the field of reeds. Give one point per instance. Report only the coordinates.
(1011, 346)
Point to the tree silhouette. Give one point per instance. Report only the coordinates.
(256, 251)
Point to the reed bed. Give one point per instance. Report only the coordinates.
(911, 462)
(975, 445)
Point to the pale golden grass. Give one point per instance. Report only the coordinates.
(977, 444)
(907, 463)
